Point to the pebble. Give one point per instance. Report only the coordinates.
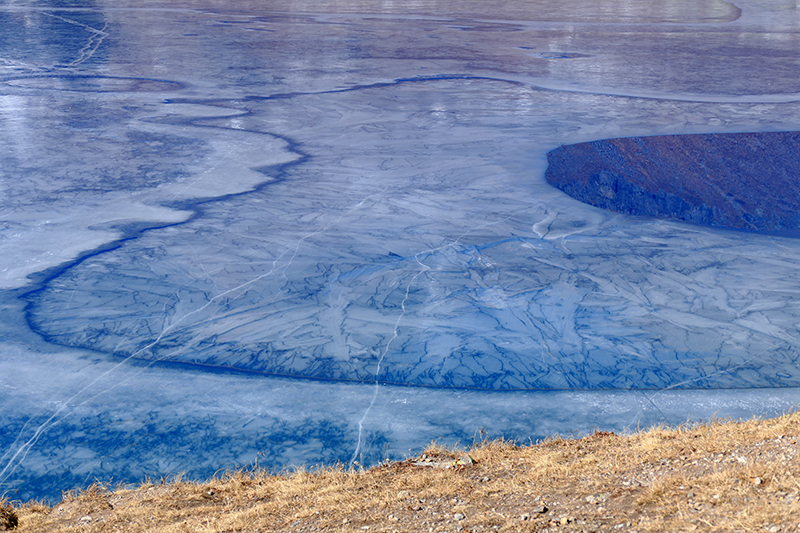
(465, 460)
(541, 509)
(86, 518)
(597, 498)
(459, 516)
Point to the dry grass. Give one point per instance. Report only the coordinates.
(724, 476)
(8, 516)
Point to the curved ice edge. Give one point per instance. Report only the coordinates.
(128, 231)
(109, 229)
(743, 181)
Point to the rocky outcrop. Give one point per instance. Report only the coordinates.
(736, 180)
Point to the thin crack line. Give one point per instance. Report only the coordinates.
(377, 385)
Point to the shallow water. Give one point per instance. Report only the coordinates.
(256, 235)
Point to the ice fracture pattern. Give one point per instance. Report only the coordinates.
(283, 234)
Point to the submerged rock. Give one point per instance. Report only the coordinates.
(736, 180)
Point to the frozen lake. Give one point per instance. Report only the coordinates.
(244, 232)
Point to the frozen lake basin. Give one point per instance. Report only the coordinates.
(240, 234)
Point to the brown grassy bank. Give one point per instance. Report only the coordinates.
(724, 476)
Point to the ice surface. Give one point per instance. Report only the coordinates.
(240, 234)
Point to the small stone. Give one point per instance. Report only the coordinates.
(459, 516)
(597, 498)
(690, 495)
(757, 481)
(541, 509)
(524, 517)
(404, 494)
(86, 518)
(364, 528)
(774, 529)
(465, 460)
(564, 520)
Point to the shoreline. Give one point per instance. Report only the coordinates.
(687, 478)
